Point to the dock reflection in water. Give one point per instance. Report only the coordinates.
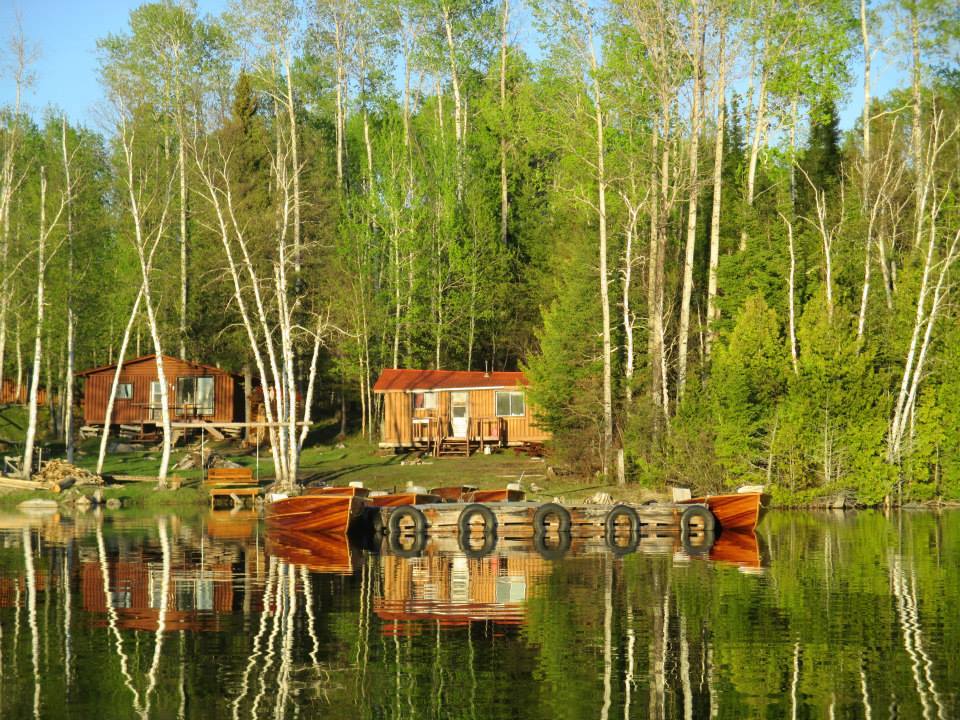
(210, 616)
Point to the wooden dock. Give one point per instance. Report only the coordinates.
(516, 519)
(478, 528)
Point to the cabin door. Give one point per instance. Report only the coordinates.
(459, 414)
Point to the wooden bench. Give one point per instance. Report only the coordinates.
(231, 482)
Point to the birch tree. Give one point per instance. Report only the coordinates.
(148, 186)
(46, 228)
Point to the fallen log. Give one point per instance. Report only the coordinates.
(130, 478)
(17, 484)
(62, 485)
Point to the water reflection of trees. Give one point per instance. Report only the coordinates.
(854, 617)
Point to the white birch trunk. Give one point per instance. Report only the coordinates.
(602, 250)
(916, 134)
(504, 196)
(308, 400)
(294, 159)
(691, 243)
(628, 317)
(27, 466)
(68, 383)
(459, 116)
(713, 312)
(759, 128)
(791, 284)
(108, 414)
(145, 258)
(866, 172)
(221, 202)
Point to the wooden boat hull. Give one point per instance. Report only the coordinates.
(338, 491)
(452, 493)
(315, 513)
(318, 552)
(735, 511)
(398, 499)
(499, 495)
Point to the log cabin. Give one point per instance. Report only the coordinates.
(453, 412)
(195, 393)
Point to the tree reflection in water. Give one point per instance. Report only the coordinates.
(850, 615)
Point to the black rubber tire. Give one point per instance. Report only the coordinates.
(395, 544)
(545, 511)
(466, 515)
(411, 513)
(551, 553)
(700, 550)
(697, 511)
(489, 545)
(610, 534)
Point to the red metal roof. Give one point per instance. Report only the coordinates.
(404, 380)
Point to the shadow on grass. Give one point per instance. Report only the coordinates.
(328, 476)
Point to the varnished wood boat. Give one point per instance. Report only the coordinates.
(452, 493)
(734, 511)
(497, 495)
(348, 491)
(318, 552)
(406, 498)
(316, 513)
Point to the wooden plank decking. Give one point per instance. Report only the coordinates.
(515, 519)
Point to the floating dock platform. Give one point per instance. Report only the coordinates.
(477, 528)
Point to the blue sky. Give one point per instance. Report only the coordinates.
(65, 32)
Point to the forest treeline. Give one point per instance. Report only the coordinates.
(648, 205)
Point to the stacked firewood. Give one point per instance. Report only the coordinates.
(58, 475)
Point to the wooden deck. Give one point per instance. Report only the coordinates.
(515, 520)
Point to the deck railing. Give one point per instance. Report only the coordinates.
(432, 430)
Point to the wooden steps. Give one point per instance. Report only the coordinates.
(454, 447)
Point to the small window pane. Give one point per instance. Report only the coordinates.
(124, 391)
(424, 401)
(204, 396)
(156, 400)
(186, 392)
(510, 404)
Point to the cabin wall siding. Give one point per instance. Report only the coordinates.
(136, 410)
(398, 415)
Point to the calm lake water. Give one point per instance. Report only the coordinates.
(818, 615)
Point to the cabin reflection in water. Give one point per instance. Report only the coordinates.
(453, 590)
(201, 580)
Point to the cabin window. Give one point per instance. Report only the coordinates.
(124, 391)
(195, 395)
(510, 404)
(156, 400)
(425, 401)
